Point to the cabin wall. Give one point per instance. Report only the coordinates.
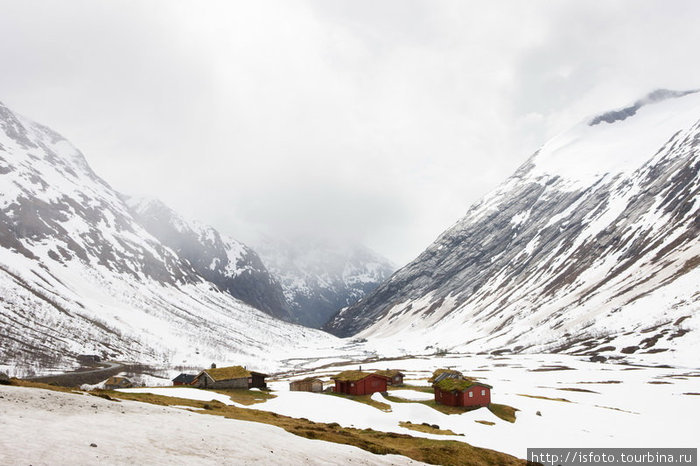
(231, 383)
(370, 384)
(446, 398)
(477, 399)
(257, 381)
(306, 387)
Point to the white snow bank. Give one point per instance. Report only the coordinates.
(411, 395)
(184, 392)
(58, 428)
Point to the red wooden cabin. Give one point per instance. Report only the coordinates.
(462, 393)
(359, 383)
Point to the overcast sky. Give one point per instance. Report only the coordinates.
(372, 121)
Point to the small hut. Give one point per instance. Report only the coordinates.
(395, 376)
(113, 383)
(309, 384)
(230, 377)
(462, 392)
(359, 383)
(184, 379)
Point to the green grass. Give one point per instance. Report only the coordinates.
(445, 409)
(245, 396)
(582, 390)
(445, 452)
(563, 400)
(428, 429)
(505, 412)
(418, 388)
(365, 399)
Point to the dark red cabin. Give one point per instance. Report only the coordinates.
(466, 394)
(359, 383)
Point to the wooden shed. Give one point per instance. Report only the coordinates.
(309, 384)
(395, 376)
(230, 377)
(462, 392)
(113, 383)
(359, 383)
(184, 379)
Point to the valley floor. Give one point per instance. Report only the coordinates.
(560, 401)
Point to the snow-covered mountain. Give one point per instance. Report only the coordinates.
(221, 260)
(320, 277)
(78, 273)
(591, 247)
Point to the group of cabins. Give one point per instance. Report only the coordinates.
(351, 382)
(365, 383)
(223, 377)
(452, 388)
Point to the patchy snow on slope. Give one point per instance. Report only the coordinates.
(185, 393)
(562, 400)
(139, 433)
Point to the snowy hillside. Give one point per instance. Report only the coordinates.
(321, 277)
(78, 274)
(591, 247)
(221, 260)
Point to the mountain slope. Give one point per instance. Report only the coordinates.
(223, 261)
(321, 277)
(590, 247)
(78, 274)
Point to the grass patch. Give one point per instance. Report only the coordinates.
(616, 409)
(539, 397)
(552, 368)
(417, 388)
(605, 381)
(445, 409)
(581, 390)
(245, 396)
(45, 386)
(446, 452)
(505, 412)
(486, 423)
(427, 428)
(366, 399)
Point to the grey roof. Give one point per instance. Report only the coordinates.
(447, 375)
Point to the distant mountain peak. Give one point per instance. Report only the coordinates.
(653, 97)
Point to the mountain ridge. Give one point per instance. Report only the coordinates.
(560, 256)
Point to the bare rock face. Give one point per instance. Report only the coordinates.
(591, 244)
(229, 264)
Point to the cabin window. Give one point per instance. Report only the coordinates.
(471, 394)
(483, 392)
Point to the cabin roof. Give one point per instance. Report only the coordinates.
(454, 384)
(307, 380)
(187, 378)
(439, 374)
(354, 376)
(389, 373)
(231, 372)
